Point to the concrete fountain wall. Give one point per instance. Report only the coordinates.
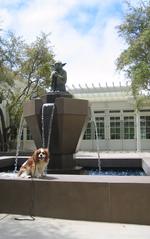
(123, 199)
(105, 199)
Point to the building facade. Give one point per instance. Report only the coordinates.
(114, 123)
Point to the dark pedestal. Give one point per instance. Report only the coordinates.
(61, 161)
(32, 115)
(52, 96)
(70, 116)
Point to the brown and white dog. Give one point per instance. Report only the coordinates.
(36, 164)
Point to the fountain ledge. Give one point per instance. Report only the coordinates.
(92, 198)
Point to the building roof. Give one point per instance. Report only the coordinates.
(108, 93)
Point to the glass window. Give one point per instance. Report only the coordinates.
(100, 127)
(145, 127)
(99, 112)
(115, 128)
(29, 136)
(129, 127)
(88, 132)
(22, 134)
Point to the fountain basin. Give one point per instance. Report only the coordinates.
(80, 197)
(98, 198)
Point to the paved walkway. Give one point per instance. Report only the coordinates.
(48, 228)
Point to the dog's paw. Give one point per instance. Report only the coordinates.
(25, 175)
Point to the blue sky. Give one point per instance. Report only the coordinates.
(83, 34)
(82, 18)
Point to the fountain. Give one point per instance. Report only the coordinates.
(63, 119)
(56, 120)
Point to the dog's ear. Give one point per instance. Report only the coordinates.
(46, 150)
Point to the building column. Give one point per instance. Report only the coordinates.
(138, 132)
(107, 130)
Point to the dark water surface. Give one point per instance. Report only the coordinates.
(116, 172)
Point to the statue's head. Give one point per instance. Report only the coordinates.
(59, 65)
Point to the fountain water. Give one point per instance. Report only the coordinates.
(97, 138)
(47, 119)
(18, 142)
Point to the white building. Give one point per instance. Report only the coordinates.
(120, 125)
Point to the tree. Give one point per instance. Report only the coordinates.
(11, 55)
(135, 59)
(25, 71)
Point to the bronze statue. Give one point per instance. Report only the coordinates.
(58, 77)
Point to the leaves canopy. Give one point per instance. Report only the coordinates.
(25, 71)
(135, 59)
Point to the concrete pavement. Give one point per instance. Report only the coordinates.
(49, 228)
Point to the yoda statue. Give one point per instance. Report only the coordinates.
(58, 77)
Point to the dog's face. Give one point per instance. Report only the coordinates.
(41, 154)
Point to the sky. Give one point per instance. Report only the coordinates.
(83, 34)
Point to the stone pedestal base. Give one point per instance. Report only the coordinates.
(60, 131)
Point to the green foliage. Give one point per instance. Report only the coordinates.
(25, 71)
(135, 59)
